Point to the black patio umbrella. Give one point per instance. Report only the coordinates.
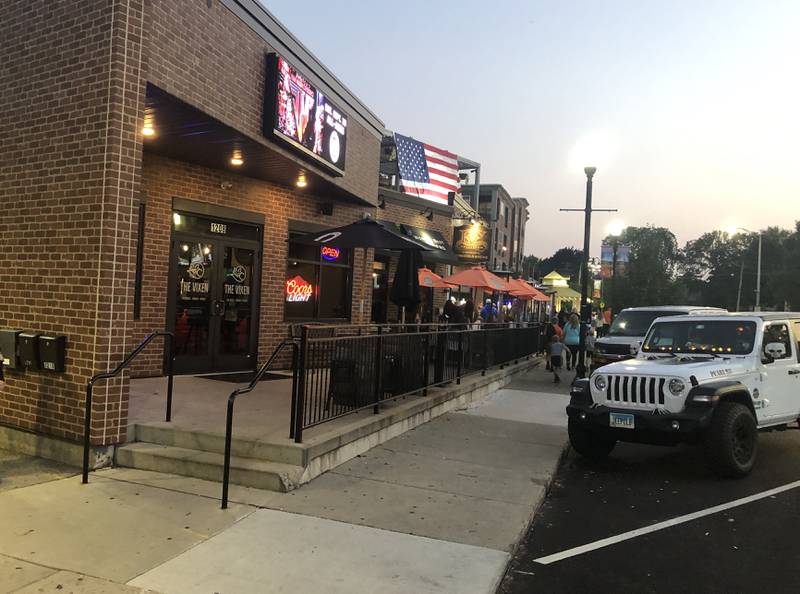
(405, 290)
(366, 233)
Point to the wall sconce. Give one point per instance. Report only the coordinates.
(428, 213)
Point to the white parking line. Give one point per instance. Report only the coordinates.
(611, 540)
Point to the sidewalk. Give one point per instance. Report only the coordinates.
(438, 509)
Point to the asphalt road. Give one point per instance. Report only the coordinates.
(754, 547)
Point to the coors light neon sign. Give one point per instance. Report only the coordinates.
(298, 290)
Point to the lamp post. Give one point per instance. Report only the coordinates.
(586, 310)
(758, 268)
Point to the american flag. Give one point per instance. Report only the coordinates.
(426, 171)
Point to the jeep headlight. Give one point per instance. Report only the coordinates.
(676, 386)
(600, 382)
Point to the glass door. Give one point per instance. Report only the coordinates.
(236, 348)
(192, 312)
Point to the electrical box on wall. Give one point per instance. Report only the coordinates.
(8, 347)
(51, 352)
(28, 350)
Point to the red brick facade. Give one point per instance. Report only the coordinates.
(72, 92)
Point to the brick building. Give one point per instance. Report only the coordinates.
(507, 217)
(144, 188)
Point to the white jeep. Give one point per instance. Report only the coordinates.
(715, 380)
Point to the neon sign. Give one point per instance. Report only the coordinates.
(330, 254)
(298, 290)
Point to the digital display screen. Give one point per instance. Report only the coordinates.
(304, 116)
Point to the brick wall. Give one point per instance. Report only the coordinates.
(70, 96)
(165, 178)
(209, 58)
(72, 78)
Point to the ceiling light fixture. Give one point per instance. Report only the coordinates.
(301, 181)
(236, 159)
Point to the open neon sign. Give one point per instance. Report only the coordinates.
(331, 254)
(298, 290)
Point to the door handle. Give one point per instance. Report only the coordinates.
(794, 372)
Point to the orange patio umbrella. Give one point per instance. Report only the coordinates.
(522, 290)
(428, 279)
(478, 277)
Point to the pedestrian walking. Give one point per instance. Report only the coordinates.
(591, 339)
(551, 330)
(556, 357)
(572, 339)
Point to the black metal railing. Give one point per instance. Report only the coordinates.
(169, 345)
(226, 470)
(344, 369)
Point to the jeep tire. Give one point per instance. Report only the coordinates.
(588, 443)
(732, 440)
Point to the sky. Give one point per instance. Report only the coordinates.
(689, 110)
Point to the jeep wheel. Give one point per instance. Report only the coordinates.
(589, 444)
(732, 440)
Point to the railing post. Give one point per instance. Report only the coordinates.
(301, 386)
(226, 470)
(460, 367)
(87, 429)
(426, 370)
(170, 340)
(485, 352)
(378, 370)
(293, 411)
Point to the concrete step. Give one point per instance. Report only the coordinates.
(249, 472)
(285, 452)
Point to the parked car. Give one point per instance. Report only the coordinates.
(711, 380)
(629, 327)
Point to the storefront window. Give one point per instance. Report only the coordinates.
(318, 283)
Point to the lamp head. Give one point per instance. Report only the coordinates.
(589, 171)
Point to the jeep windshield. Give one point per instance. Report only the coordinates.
(636, 323)
(718, 337)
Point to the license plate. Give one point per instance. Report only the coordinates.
(620, 420)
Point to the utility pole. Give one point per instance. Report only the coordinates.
(586, 310)
(739, 294)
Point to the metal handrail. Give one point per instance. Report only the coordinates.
(232, 399)
(169, 343)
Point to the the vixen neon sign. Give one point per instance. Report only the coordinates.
(330, 253)
(298, 290)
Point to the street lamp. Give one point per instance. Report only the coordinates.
(758, 268)
(586, 309)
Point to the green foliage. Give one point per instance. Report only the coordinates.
(707, 271)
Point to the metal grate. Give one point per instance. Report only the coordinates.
(636, 390)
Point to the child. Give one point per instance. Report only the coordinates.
(556, 350)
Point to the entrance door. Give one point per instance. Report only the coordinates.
(380, 289)
(213, 304)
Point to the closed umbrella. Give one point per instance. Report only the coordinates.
(405, 289)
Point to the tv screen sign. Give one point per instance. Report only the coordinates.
(303, 116)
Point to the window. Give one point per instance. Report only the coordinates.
(778, 333)
(497, 213)
(505, 215)
(318, 282)
(797, 338)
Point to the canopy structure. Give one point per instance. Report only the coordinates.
(366, 233)
(428, 279)
(479, 278)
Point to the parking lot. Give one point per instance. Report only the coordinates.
(738, 546)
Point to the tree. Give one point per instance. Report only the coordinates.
(566, 261)
(528, 266)
(651, 273)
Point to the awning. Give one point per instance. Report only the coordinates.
(440, 251)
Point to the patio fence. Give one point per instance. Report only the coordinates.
(336, 373)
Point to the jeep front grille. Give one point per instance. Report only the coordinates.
(638, 390)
